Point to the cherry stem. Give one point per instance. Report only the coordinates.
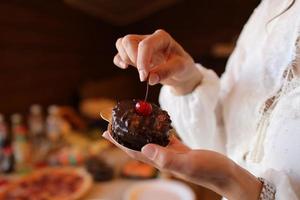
(147, 90)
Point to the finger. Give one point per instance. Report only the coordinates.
(122, 52)
(177, 145)
(159, 40)
(165, 70)
(130, 45)
(163, 158)
(119, 62)
(153, 78)
(175, 141)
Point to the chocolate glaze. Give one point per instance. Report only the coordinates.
(133, 130)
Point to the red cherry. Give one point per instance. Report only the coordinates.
(143, 108)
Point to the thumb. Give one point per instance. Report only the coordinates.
(163, 158)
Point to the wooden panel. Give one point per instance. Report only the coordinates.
(48, 49)
(199, 24)
(119, 12)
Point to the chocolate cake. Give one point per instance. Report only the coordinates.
(137, 123)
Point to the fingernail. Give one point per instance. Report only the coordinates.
(143, 75)
(149, 151)
(153, 79)
(123, 64)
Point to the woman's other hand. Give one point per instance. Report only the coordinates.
(206, 168)
(159, 58)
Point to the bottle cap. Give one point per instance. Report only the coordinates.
(16, 118)
(53, 110)
(35, 109)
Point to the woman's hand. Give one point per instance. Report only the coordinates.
(159, 58)
(206, 168)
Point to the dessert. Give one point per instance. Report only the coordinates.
(136, 123)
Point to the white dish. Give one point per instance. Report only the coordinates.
(159, 190)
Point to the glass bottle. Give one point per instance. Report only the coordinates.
(7, 160)
(21, 146)
(36, 121)
(53, 124)
(3, 132)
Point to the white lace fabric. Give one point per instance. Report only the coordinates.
(226, 114)
(290, 83)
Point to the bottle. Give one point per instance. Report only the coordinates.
(53, 124)
(40, 144)
(7, 160)
(21, 145)
(3, 132)
(36, 121)
(6, 154)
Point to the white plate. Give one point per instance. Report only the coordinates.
(160, 190)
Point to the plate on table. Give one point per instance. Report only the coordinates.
(66, 183)
(159, 189)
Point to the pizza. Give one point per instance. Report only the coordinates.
(50, 183)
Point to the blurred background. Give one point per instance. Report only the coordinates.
(57, 74)
(58, 52)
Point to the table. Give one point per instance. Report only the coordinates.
(114, 190)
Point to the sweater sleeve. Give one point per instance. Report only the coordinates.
(193, 115)
(283, 185)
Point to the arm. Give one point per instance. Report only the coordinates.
(206, 168)
(187, 85)
(194, 114)
(159, 57)
(203, 106)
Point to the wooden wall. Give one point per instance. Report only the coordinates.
(198, 24)
(47, 49)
